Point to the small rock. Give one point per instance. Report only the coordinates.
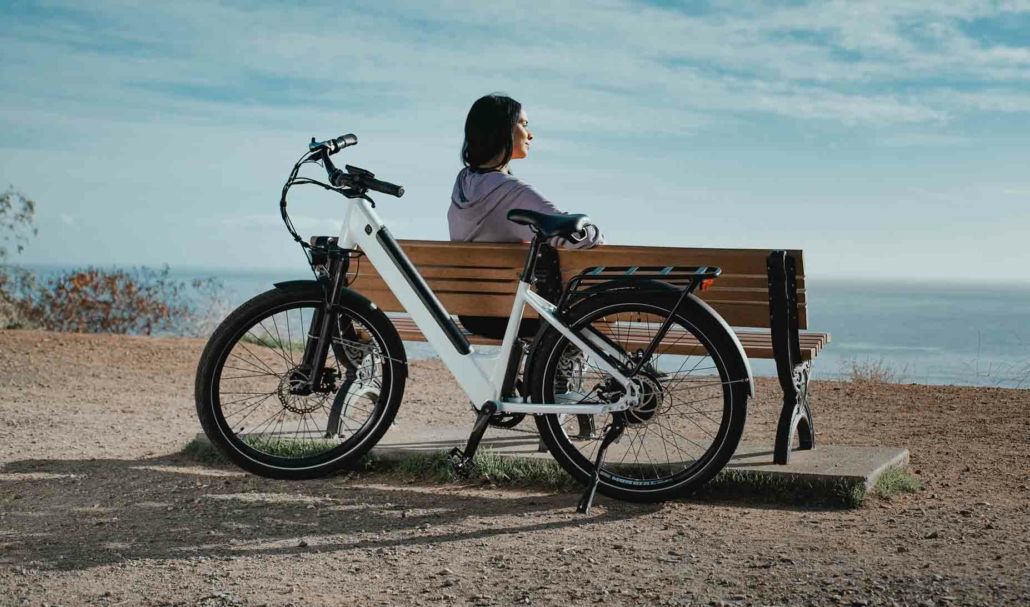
(448, 583)
(902, 549)
(445, 571)
(932, 535)
(302, 544)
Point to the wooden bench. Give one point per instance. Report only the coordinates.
(760, 293)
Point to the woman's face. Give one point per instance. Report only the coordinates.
(521, 137)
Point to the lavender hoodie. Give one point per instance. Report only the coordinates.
(479, 210)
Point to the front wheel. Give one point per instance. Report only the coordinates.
(255, 405)
(693, 404)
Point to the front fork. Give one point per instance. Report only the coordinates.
(323, 327)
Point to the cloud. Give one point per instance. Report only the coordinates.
(628, 68)
(932, 140)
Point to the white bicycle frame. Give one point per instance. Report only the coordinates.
(480, 375)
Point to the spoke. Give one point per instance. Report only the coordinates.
(666, 442)
(239, 400)
(668, 458)
(671, 431)
(281, 353)
(287, 354)
(248, 370)
(699, 361)
(667, 414)
(265, 422)
(250, 407)
(650, 459)
(694, 409)
(289, 337)
(245, 348)
(235, 377)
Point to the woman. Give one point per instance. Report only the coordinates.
(497, 132)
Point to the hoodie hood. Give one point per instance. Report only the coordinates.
(472, 188)
(479, 206)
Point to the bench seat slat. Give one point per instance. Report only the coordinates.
(500, 254)
(714, 295)
(757, 344)
(737, 314)
(725, 281)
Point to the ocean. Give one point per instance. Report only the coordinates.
(926, 333)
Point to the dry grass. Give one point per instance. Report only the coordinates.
(872, 371)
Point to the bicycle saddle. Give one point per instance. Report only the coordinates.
(550, 226)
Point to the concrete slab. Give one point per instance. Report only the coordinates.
(825, 463)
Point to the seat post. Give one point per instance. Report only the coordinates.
(530, 267)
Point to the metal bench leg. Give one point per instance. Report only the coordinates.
(796, 417)
(793, 373)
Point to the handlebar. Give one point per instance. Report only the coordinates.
(352, 183)
(355, 178)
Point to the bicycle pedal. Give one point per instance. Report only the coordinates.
(463, 466)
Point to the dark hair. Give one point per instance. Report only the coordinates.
(489, 129)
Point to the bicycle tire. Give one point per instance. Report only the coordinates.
(618, 479)
(236, 338)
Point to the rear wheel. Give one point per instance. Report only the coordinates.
(250, 389)
(693, 403)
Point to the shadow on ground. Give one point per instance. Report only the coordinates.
(80, 514)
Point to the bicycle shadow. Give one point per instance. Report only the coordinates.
(70, 514)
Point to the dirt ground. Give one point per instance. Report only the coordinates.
(98, 508)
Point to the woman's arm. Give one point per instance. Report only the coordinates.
(526, 197)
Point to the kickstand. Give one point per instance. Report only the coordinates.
(462, 460)
(611, 434)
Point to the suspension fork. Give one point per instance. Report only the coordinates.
(323, 322)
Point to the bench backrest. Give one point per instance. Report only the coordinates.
(480, 278)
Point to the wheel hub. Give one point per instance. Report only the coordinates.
(292, 387)
(651, 399)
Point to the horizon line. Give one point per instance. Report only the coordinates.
(297, 268)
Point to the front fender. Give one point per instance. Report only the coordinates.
(297, 285)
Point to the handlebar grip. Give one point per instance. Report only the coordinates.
(384, 187)
(346, 140)
(333, 145)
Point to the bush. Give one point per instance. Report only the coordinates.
(140, 301)
(870, 371)
(16, 214)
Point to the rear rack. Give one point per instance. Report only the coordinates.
(685, 278)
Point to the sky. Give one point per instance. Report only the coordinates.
(885, 139)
